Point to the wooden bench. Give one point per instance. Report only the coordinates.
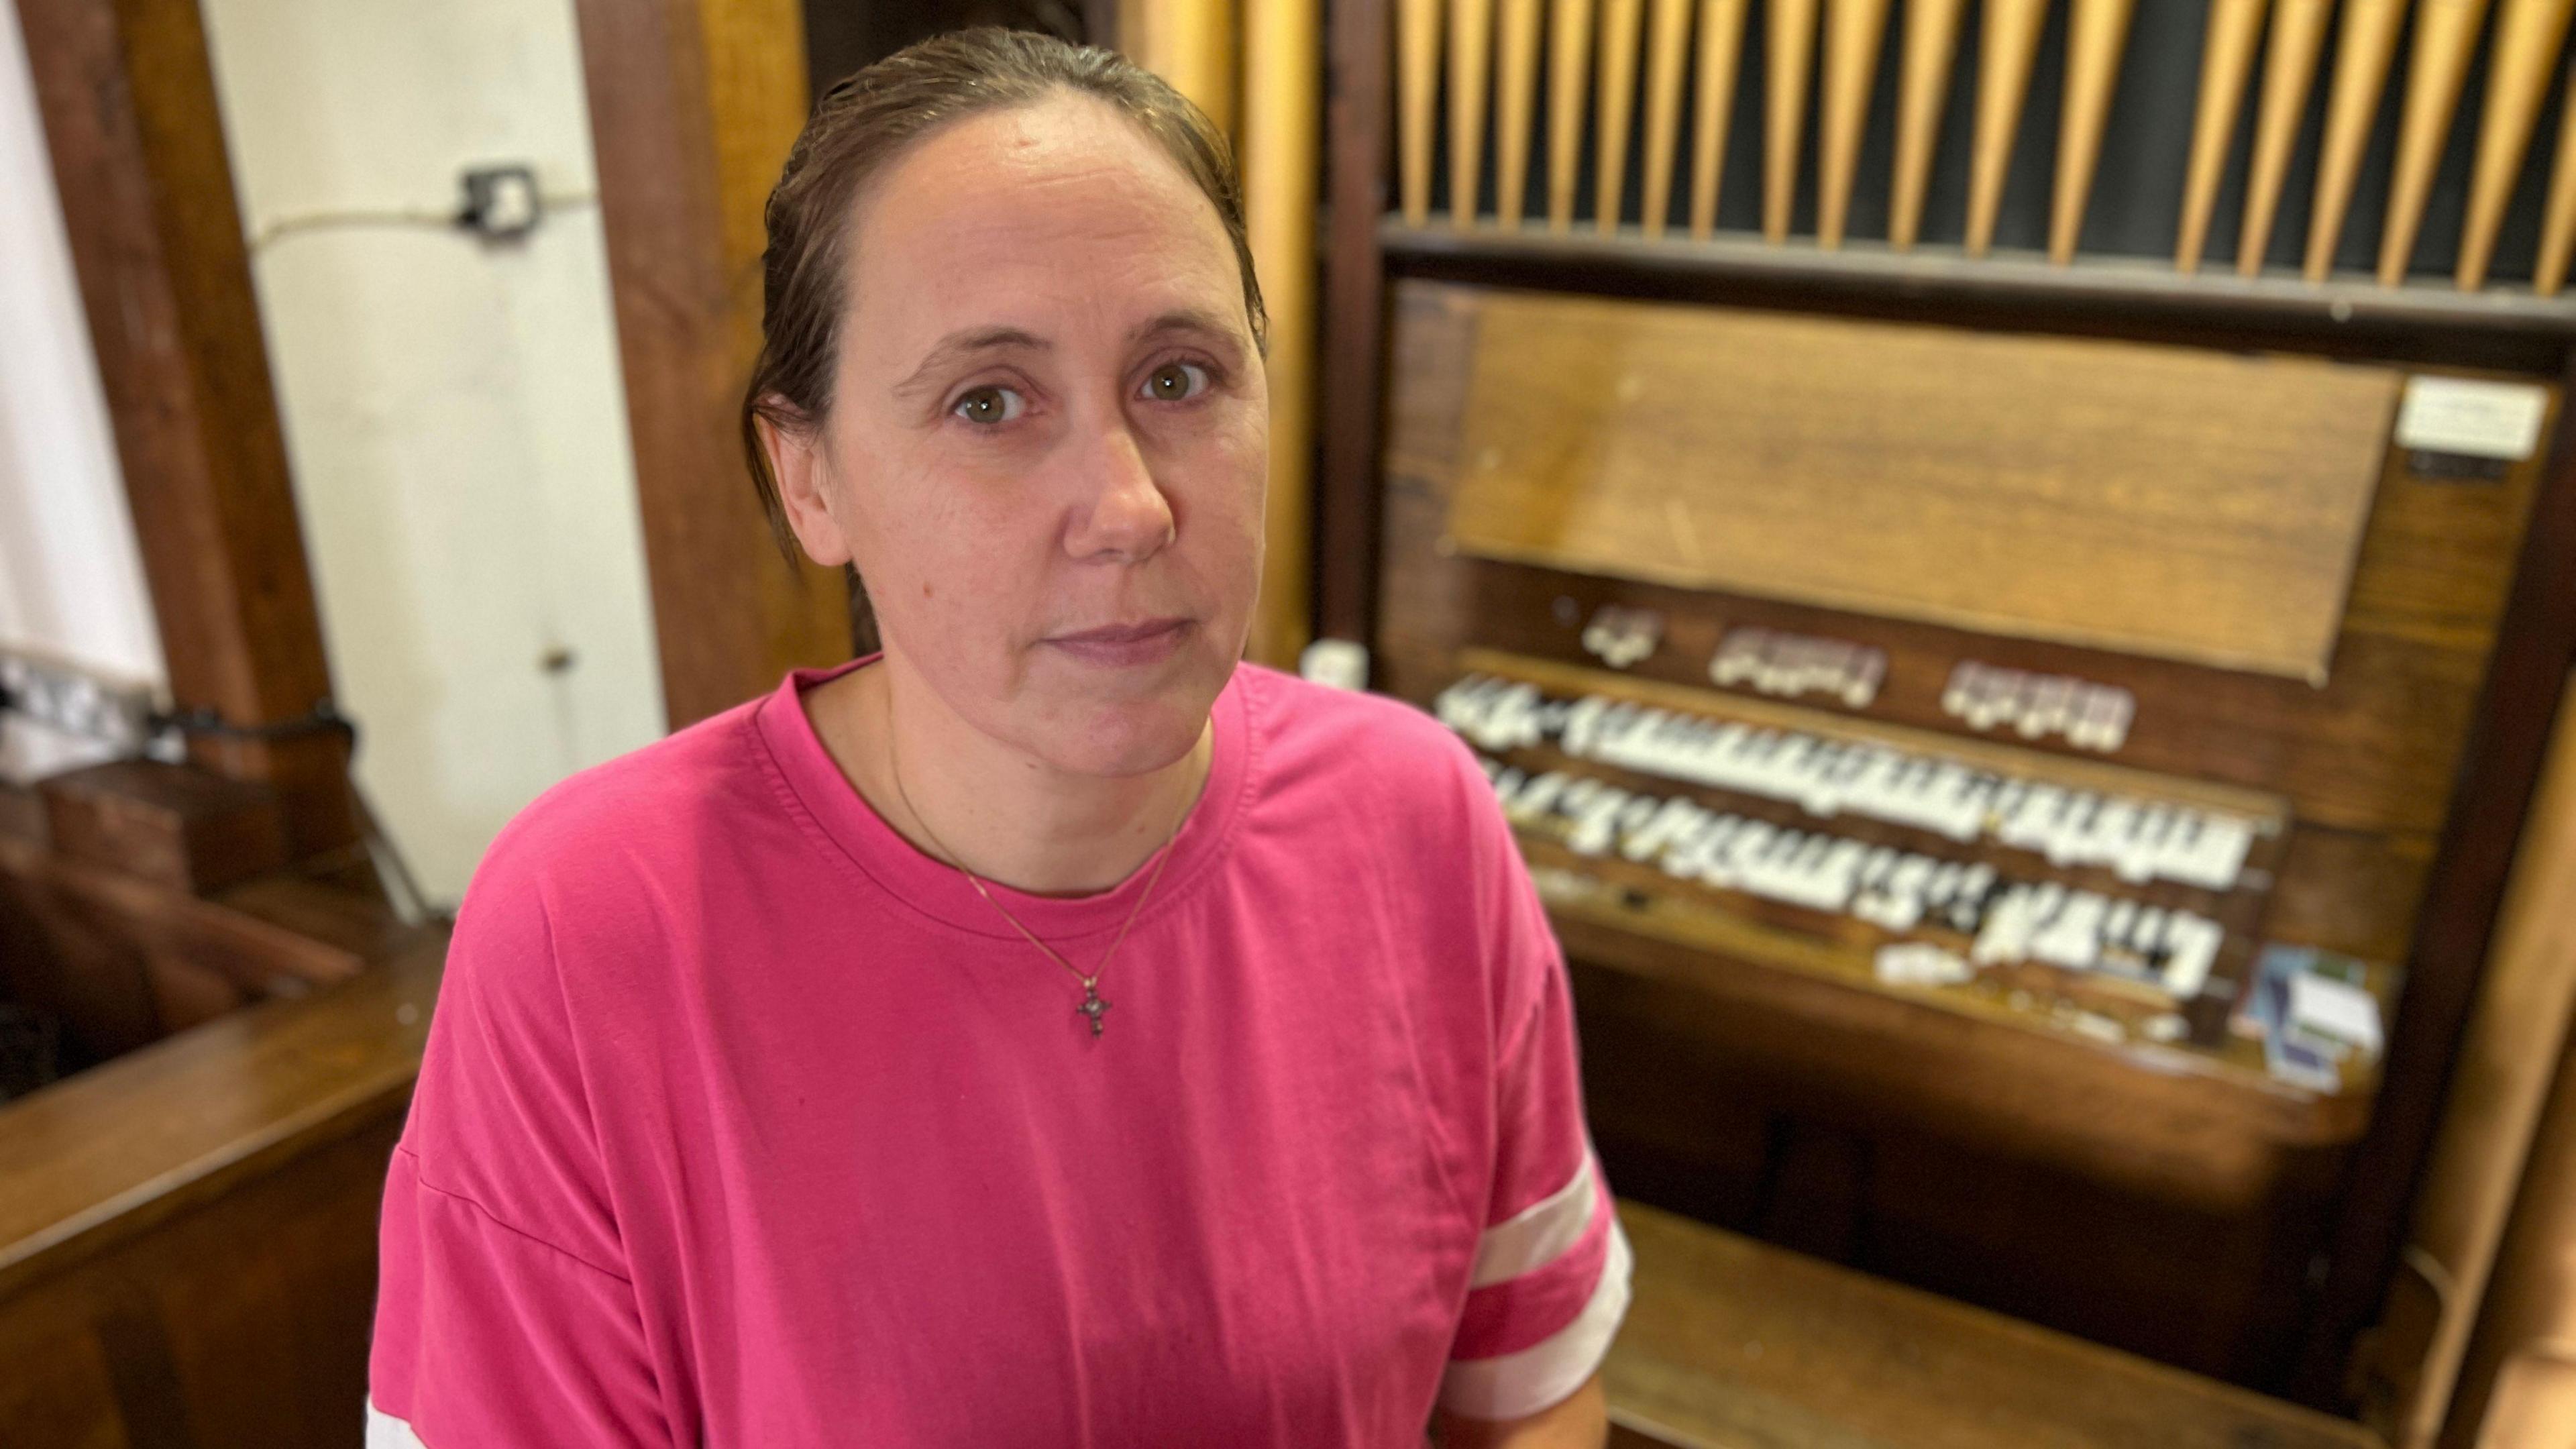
(1733, 1344)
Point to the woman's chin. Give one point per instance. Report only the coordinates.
(1130, 736)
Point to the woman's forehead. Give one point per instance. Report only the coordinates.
(1063, 206)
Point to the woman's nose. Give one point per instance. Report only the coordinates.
(1123, 515)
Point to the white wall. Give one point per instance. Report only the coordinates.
(71, 582)
(453, 409)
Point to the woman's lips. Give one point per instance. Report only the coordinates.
(1124, 645)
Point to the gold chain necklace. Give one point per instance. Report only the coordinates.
(1092, 1007)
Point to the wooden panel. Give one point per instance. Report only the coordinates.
(128, 104)
(2178, 504)
(1731, 1343)
(692, 108)
(2508, 1059)
(1354, 286)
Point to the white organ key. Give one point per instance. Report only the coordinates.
(1455, 706)
(2027, 827)
(1583, 725)
(2115, 927)
(1537, 797)
(1943, 884)
(1508, 783)
(2147, 935)
(1839, 875)
(1688, 854)
(2066, 834)
(2194, 942)
(2072, 938)
(2004, 936)
(2220, 853)
(1904, 892)
(1596, 820)
(1645, 841)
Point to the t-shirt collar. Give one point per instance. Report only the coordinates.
(916, 880)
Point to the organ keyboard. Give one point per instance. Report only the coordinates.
(1941, 750)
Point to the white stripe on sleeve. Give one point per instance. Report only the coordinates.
(384, 1431)
(1539, 1234)
(1517, 1385)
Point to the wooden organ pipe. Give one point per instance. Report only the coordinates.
(1931, 43)
(2097, 33)
(1667, 46)
(1569, 48)
(2005, 52)
(1853, 32)
(1471, 42)
(2362, 56)
(1417, 74)
(1613, 106)
(1789, 58)
(2558, 224)
(2227, 59)
(2289, 69)
(1721, 52)
(2446, 39)
(1516, 85)
(2528, 36)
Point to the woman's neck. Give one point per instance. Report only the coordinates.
(996, 810)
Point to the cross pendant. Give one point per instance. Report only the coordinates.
(1092, 1006)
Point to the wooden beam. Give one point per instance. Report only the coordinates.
(1355, 110)
(693, 104)
(128, 102)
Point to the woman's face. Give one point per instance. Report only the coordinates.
(1048, 437)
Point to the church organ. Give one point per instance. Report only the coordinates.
(2020, 732)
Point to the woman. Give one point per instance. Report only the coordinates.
(1051, 1031)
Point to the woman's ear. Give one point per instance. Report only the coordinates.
(804, 486)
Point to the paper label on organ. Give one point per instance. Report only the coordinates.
(2466, 416)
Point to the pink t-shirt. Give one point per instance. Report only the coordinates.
(745, 1124)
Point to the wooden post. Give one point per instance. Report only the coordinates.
(1353, 350)
(693, 104)
(128, 102)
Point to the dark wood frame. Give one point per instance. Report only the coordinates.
(693, 104)
(127, 97)
(2517, 704)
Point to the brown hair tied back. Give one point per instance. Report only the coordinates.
(864, 123)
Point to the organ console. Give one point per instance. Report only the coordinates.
(2020, 738)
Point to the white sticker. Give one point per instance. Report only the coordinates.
(2480, 419)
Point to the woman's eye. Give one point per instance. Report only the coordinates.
(1175, 382)
(989, 405)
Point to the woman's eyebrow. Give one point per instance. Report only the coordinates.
(957, 346)
(1182, 319)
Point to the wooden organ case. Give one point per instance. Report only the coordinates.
(1956, 685)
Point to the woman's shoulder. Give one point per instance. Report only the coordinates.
(1355, 744)
(629, 819)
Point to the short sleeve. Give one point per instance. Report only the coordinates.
(1550, 1281)
(505, 1315)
